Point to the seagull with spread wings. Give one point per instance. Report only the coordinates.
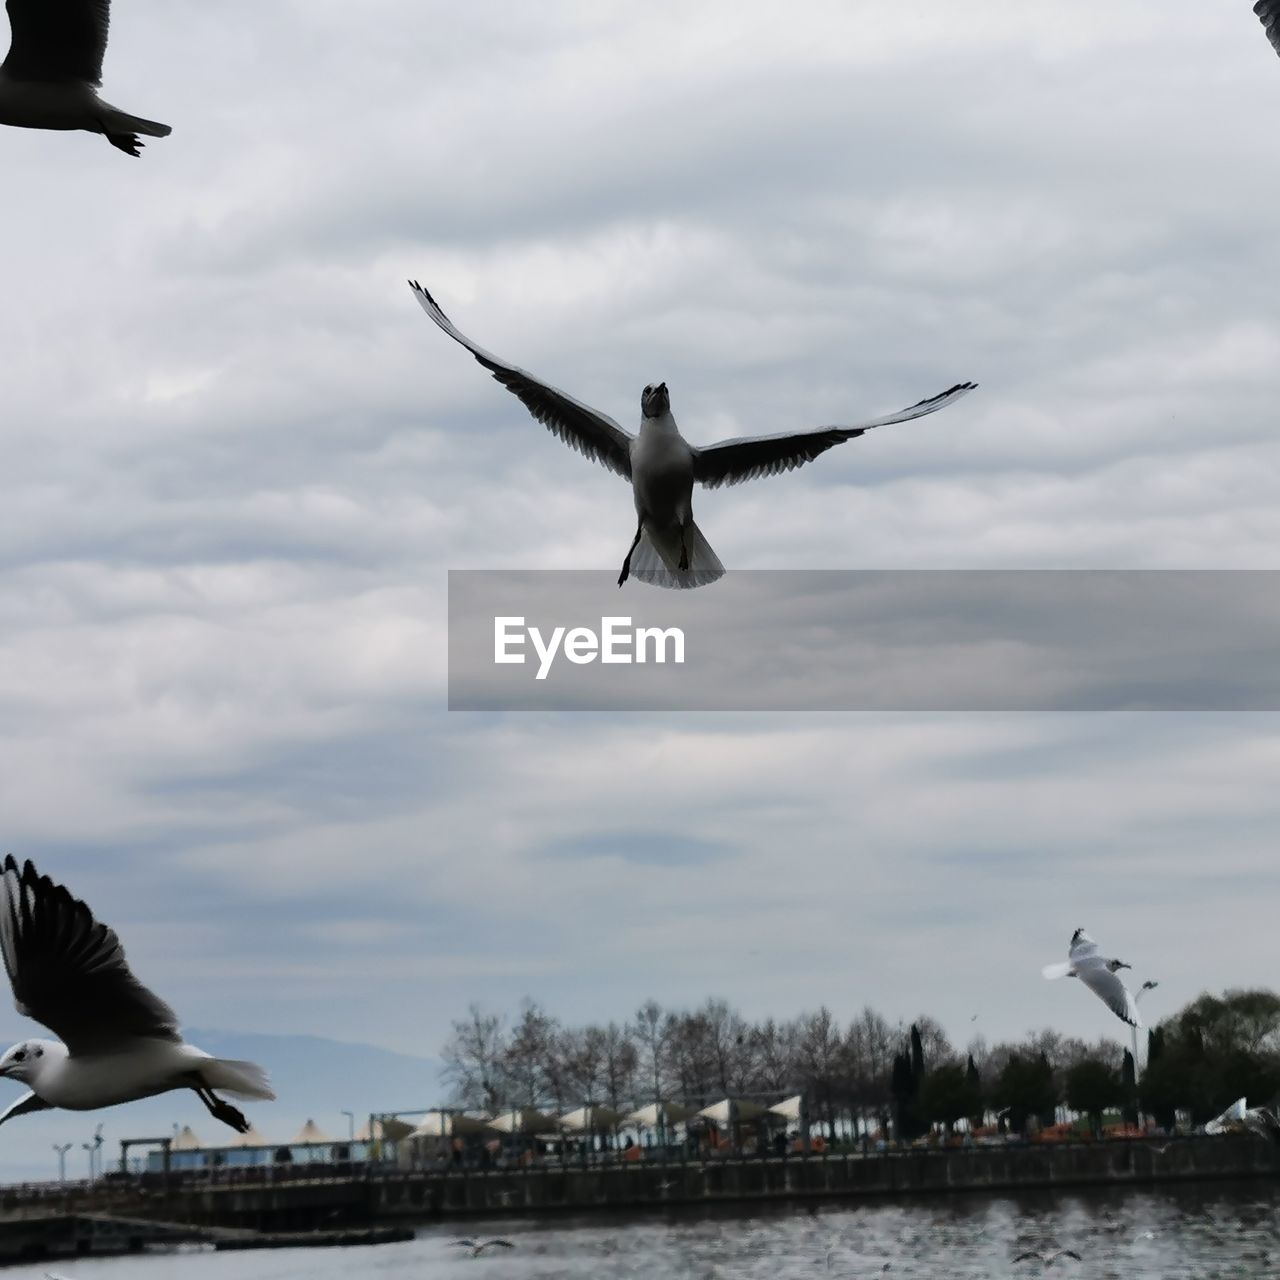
(476, 1248)
(1260, 1120)
(120, 1041)
(1268, 12)
(668, 549)
(54, 69)
(1047, 1259)
(1099, 974)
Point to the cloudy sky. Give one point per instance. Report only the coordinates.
(238, 463)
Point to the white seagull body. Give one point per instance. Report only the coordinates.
(668, 549)
(1099, 975)
(1268, 12)
(1260, 1120)
(54, 68)
(120, 1041)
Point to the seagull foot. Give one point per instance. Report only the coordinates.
(625, 574)
(224, 1111)
(129, 143)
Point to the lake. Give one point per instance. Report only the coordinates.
(1215, 1230)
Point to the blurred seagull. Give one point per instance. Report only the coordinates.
(668, 549)
(54, 67)
(1048, 1259)
(477, 1247)
(1099, 975)
(1260, 1120)
(1269, 12)
(120, 1040)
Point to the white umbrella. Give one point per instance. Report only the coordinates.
(727, 1110)
(590, 1119)
(448, 1124)
(657, 1113)
(523, 1120)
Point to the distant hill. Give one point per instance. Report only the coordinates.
(314, 1078)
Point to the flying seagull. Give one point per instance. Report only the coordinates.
(1260, 1120)
(477, 1247)
(1099, 975)
(54, 68)
(668, 549)
(1047, 1258)
(1269, 12)
(120, 1041)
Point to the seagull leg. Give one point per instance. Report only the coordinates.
(635, 542)
(221, 1109)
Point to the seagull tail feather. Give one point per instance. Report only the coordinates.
(114, 120)
(239, 1079)
(1057, 970)
(656, 559)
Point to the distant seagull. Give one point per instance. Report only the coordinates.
(1269, 12)
(1099, 975)
(120, 1040)
(54, 67)
(477, 1247)
(668, 549)
(1260, 1120)
(1048, 1259)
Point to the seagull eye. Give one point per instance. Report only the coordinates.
(39, 1053)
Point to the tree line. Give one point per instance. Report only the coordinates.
(869, 1074)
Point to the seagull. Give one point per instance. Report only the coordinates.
(668, 549)
(1099, 975)
(120, 1041)
(54, 67)
(1260, 1120)
(1047, 1258)
(478, 1247)
(1269, 13)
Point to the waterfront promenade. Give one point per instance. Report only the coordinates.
(305, 1198)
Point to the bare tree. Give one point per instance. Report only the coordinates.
(529, 1061)
(473, 1058)
(651, 1033)
(620, 1063)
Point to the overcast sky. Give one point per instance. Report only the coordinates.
(238, 462)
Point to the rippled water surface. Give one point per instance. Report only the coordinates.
(1224, 1230)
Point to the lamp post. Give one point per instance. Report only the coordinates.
(351, 1125)
(62, 1148)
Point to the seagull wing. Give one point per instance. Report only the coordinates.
(590, 432)
(28, 1102)
(1115, 995)
(1269, 13)
(57, 39)
(745, 458)
(1082, 947)
(69, 971)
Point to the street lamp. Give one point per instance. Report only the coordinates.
(62, 1149)
(351, 1125)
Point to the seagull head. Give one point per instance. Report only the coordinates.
(654, 400)
(1115, 965)
(26, 1061)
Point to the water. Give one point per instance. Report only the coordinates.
(1204, 1232)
